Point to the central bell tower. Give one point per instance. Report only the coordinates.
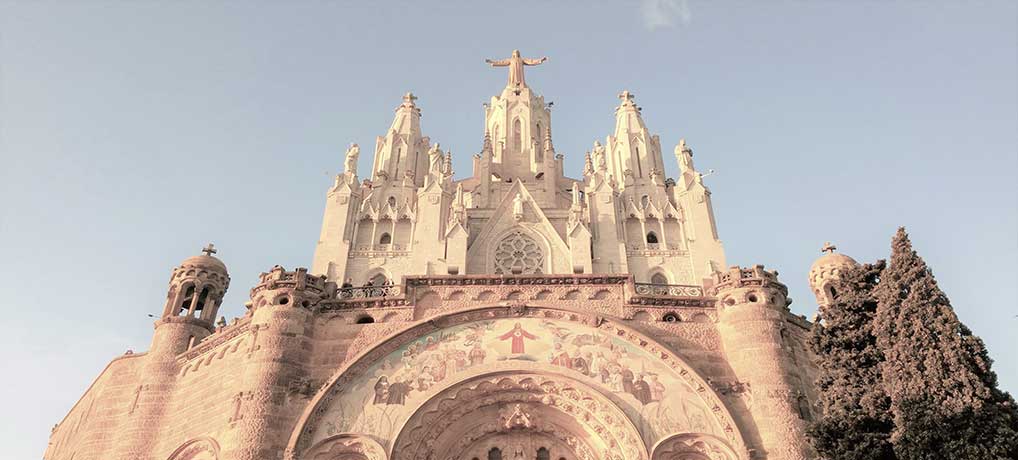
(517, 126)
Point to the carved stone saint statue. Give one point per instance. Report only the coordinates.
(518, 206)
(599, 158)
(435, 160)
(350, 164)
(685, 156)
(515, 64)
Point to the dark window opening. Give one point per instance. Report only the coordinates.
(200, 306)
(543, 454)
(185, 305)
(652, 238)
(366, 319)
(495, 454)
(385, 239)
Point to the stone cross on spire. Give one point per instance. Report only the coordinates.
(515, 64)
(829, 248)
(628, 99)
(209, 250)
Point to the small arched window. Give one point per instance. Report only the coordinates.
(495, 454)
(392, 201)
(659, 278)
(187, 298)
(366, 319)
(543, 454)
(644, 201)
(385, 239)
(652, 238)
(517, 136)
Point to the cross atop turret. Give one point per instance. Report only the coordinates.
(829, 248)
(209, 249)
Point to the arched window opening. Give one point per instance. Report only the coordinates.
(385, 239)
(392, 201)
(495, 454)
(517, 135)
(379, 280)
(200, 306)
(644, 200)
(659, 278)
(543, 454)
(652, 238)
(366, 319)
(670, 318)
(188, 297)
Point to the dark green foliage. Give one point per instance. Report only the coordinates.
(856, 424)
(944, 397)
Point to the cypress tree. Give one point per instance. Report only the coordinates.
(944, 396)
(855, 424)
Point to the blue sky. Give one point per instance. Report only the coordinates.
(132, 134)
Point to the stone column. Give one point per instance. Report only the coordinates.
(752, 311)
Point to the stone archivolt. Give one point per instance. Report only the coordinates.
(197, 449)
(604, 418)
(553, 402)
(346, 447)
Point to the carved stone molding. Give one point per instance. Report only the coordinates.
(695, 446)
(203, 448)
(346, 446)
(529, 402)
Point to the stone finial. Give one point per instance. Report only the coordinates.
(209, 249)
(829, 248)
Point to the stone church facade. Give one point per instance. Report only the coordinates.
(514, 314)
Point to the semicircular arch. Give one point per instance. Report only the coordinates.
(364, 388)
(548, 401)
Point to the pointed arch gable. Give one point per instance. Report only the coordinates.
(541, 229)
(354, 375)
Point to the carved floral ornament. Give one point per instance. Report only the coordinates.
(361, 373)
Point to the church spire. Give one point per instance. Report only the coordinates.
(402, 151)
(634, 154)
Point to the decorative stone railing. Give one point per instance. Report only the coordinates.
(369, 292)
(668, 290)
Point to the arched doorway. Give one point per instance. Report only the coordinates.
(519, 415)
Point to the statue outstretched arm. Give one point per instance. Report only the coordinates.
(498, 63)
(534, 61)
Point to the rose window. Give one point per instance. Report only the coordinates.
(518, 254)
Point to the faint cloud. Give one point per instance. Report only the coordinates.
(658, 14)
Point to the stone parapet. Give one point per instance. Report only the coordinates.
(737, 277)
(299, 279)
